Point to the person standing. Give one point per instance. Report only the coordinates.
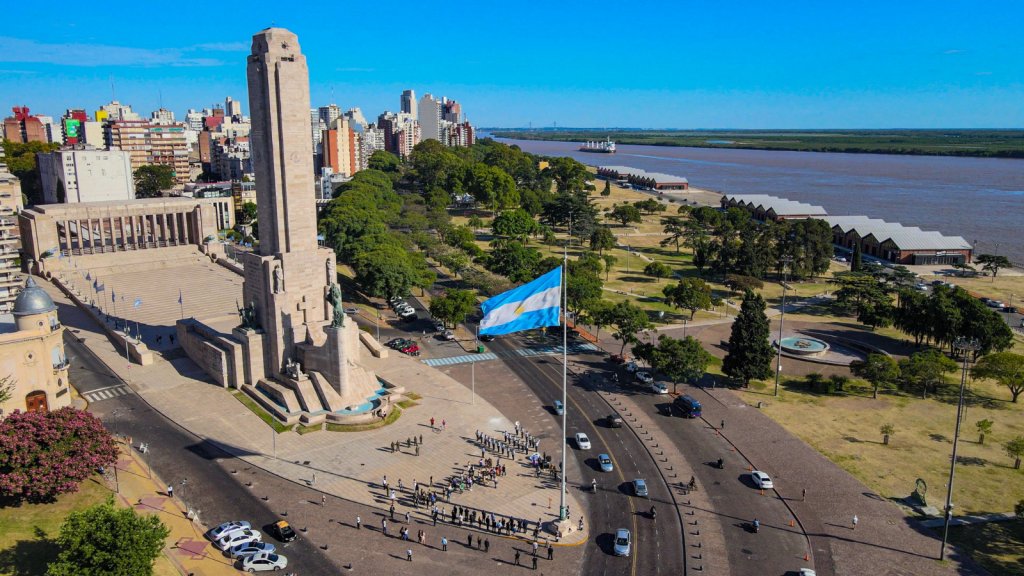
(517, 557)
(170, 491)
(534, 562)
(551, 552)
(431, 422)
(854, 521)
(407, 517)
(408, 555)
(444, 544)
(392, 510)
(487, 545)
(469, 541)
(359, 523)
(534, 547)
(384, 526)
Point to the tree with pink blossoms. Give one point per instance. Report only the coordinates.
(45, 454)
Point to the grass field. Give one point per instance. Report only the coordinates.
(998, 546)
(995, 143)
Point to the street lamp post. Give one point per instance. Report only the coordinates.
(782, 319)
(966, 346)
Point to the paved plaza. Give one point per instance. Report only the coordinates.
(350, 465)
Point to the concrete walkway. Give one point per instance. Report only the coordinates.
(348, 465)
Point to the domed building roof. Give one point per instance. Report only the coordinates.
(33, 300)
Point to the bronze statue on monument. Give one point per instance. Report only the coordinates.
(334, 297)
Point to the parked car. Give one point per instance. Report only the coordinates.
(686, 406)
(659, 388)
(613, 420)
(399, 343)
(439, 326)
(605, 462)
(622, 542)
(644, 377)
(232, 539)
(761, 480)
(282, 531)
(448, 335)
(640, 487)
(251, 549)
(559, 408)
(233, 526)
(995, 304)
(487, 337)
(264, 563)
(412, 350)
(631, 367)
(582, 441)
(351, 310)
(616, 359)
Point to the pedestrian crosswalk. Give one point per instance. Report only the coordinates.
(464, 359)
(107, 393)
(525, 352)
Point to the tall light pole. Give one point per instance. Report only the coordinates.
(778, 358)
(966, 346)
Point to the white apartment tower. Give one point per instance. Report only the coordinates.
(429, 112)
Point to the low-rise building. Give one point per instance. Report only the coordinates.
(908, 245)
(32, 358)
(643, 179)
(766, 207)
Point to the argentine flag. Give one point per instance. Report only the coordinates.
(532, 305)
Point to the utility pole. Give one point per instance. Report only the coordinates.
(966, 346)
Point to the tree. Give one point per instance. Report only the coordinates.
(103, 539)
(1015, 449)
(248, 213)
(740, 283)
(20, 158)
(6, 388)
(45, 454)
(650, 205)
(384, 161)
(625, 213)
(984, 428)
(513, 260)
(516, 224)
(690, 294)
(675, 227)
(152, 179)
(455, 260)
(750, 354)
(570, 175)
(475, 222)
(386, 271)
(856, 261)
(658, 270)
(574, 208)
(964, 269)
(680, 360)
(453, 306)
(887, 430)
(629, 320)
(926, 370)
(583, 284)
(607, 190)
(602, 239)
(609, 261)
(878, 369)
(1007, 368)
(992, 263)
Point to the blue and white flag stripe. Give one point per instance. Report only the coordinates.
(532, 305)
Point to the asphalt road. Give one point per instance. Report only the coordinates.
(657, 543)
(735, 499)
(178, 456)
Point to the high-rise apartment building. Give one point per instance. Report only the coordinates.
(371, 140)
(115, 111)
(25, 127)
(407, 138)
(162, 116)
(340, 148)
(73, 126)
(149, 143)
(232, 107)
(84, 173)
(10, 241)
(408, 102)
(451, 111)
(429, 116)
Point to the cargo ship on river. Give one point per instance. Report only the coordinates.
(599, 147)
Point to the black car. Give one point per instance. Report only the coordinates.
(487, 337)
(613, 420)
(282, 531)
(398, 343)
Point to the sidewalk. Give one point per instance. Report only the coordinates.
(186, 548)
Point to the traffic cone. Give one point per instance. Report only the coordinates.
(792, 524)
(762, 491)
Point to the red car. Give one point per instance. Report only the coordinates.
(617, 359)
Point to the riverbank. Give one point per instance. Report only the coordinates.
(969, 143)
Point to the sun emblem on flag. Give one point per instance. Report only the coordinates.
(519, 310)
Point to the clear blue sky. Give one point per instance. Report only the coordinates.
(713, 64)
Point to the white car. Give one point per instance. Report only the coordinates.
(264, 562)
(631, 367)
(232, 539)
(644, 377)
(582, 441)
(659, 388)
(448, 335)
(762, 480)
(226, 528)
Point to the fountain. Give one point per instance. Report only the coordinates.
(804, 346)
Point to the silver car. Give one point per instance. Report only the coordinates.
(232, 539)
(622, 542)
(264, 562)
(251, 549)
(227, 527)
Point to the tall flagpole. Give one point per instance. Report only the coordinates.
(565, 363)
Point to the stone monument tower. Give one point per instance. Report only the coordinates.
(288, 279)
